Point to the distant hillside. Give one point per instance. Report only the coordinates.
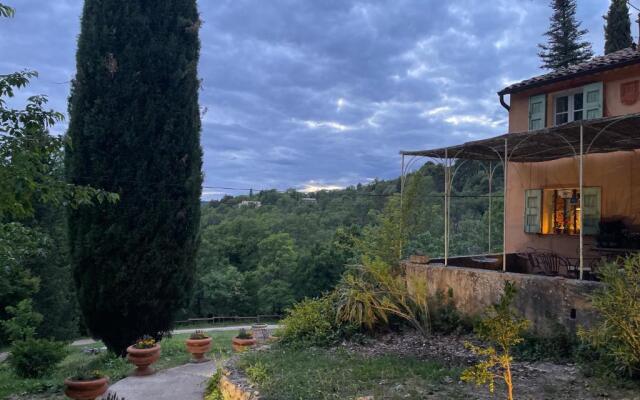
(260, 259)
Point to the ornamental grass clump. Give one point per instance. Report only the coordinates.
(502, 328)
(617, 334)
(368, 296)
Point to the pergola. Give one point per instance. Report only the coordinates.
(571, 140)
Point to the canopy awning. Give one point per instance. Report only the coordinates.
(603, 135)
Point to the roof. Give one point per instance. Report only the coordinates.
(617, 59)
(603, 135)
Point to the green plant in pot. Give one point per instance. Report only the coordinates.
(243, 341)
(86, 385)
(142, 354)
(198, 344)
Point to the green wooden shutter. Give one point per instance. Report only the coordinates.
(591, 199)
(537, 111)
(593, 100)
(532, 208)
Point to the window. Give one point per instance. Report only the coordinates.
(557, 211)
(569, 107)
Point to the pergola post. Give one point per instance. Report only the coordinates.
(581, 162)
(401, 205)
(446, 208)
(504, 212)
(490, 200)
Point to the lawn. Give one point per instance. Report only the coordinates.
(50, 387)
(285, 374)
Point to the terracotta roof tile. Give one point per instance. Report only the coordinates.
(619, 58)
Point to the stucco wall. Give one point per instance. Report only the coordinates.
(545, 301)
(519, 114)
(617, 174)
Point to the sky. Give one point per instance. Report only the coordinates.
(313, 94)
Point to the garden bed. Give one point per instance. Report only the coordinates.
(407, 366)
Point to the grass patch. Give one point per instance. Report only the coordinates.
(285, 374)
(50, 387)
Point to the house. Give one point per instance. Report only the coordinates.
(571, 164)
(543, 210)
(250, 204)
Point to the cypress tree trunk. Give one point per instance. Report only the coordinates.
(135, 130)
(617, 30)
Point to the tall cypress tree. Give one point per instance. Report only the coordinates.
(617, 29)
(564, 46)
(135, 130)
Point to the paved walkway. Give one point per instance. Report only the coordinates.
(186, 382)
(85, 342)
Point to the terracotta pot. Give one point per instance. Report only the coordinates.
(85, 390)
(143, 358)
(242, 344)
(198, 348)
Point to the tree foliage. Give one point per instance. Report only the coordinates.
(135, 130)
(565, 45)
(618, 302)
(617, 29)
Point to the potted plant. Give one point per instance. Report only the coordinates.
(142, 354)
(198, 344)
(243, 340)
(86, 385)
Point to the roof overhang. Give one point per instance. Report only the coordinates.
(603, 135)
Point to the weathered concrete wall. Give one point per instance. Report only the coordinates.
(545, 301)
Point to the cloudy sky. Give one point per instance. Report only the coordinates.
(324, 93)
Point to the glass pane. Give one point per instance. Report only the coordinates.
(593, 96)
(577, 116)
(562, 118)
(562, 104)
(577, 101)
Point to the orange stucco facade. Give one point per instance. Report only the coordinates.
(616, 174)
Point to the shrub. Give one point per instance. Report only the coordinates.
(257, 372)
(311, 322)
(559, 346)
(503, 329)
(33, 358)
(445, 317)
(618, 302)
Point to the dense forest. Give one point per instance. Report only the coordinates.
(259, 260)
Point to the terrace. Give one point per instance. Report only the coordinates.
(581, 143)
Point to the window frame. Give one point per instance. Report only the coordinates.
(570, 95)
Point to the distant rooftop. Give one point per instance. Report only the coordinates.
(617, 59)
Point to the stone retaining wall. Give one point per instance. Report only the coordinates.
(545, 301)
(233, 384)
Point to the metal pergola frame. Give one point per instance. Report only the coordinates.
(564, 141)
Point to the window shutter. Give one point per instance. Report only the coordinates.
(537, 108)
(591, 213)
(532, 208)
(593, 100)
